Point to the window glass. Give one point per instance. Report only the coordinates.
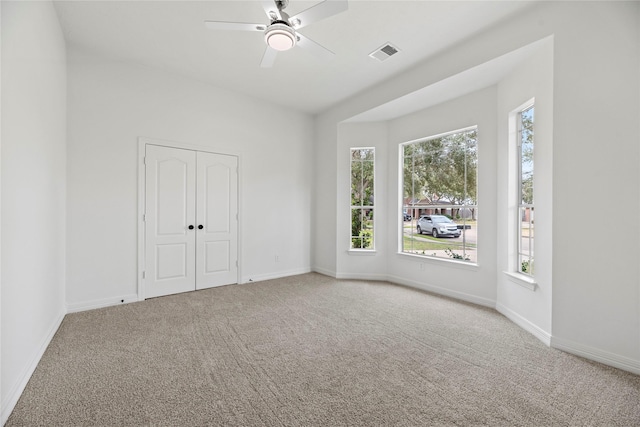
(362, 198)
(526, 209)
(439, 201)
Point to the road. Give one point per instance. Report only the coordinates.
(470, 236)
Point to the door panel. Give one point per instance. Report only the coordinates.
(217, 209)
(217, 198)
(171, 261)
(217, 257)
(170, 208)
(173, 188)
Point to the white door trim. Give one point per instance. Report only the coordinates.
(142, 143)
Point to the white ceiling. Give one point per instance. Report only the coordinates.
(171, 35)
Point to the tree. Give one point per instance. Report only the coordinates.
(442, 169)
(526, 166)
(362, 177)
(362, 198)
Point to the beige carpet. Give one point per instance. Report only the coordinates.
(313, 351)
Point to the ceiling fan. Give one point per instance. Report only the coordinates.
(281, 32)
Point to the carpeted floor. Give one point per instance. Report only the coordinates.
(314, 351)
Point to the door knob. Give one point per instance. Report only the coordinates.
(200, 227)
(191, 227)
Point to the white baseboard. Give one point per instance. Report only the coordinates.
(14, 393)
(486, 302)
(326, 272)
(443, 291)
(357, 276)
(101, 303)
(605, 357)
(274, 275)
(525, 324)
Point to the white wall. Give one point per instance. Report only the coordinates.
(472, 283)
(112, 103)
(529, 306)
(324, 217)
(595, 161)
(475, 52)
(594, 281)
(33, 190)
(362, 264)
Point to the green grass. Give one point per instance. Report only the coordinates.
(429, 243)
(425, 244)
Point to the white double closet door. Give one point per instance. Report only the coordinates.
(191, 225)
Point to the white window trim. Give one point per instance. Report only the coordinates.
(453, 263)
(400, 181)
(523, 279)
(362, 252)
(372, 250)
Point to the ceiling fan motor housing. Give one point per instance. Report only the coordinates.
(281, 4)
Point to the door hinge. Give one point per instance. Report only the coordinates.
(237, 263)
(144, 274)
(144, 217)
(144, 160)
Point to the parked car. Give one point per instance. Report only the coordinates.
(438, 226)
(407, 216)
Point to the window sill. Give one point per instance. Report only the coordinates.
(464, 265)
(522, 280)
(361, 252)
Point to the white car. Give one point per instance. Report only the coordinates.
(438, 226)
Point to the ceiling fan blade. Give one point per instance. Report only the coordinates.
(268, 58)
(271, 9)
(234, 26)
(320, 11)
(314, 48)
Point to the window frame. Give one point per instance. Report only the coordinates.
(362, 206)
(520, 205)
(412, 207)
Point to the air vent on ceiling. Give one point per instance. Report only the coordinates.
(384, 52)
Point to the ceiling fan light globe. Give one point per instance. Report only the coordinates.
(280, 37)
(280, 42)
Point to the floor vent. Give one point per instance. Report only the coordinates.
(384, 52)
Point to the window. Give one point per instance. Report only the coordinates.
(362, 190)
(525, 220)
(439, 190)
